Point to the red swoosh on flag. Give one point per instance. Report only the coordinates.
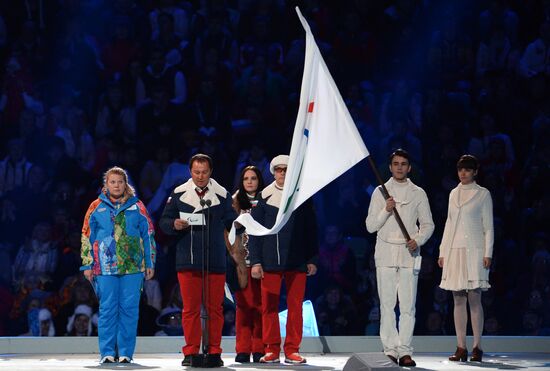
(310, 107)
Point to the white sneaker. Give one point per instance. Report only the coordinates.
(270, 358)
(107, 359)
(295, 358)
(124, 359)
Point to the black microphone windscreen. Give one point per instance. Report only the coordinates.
(208, 202)
(202, 202)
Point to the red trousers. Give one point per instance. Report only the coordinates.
(249, 318)
(191, 294)
(271, 290)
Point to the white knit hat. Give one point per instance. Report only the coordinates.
(81, 309)
(46, 315)
(278, 160)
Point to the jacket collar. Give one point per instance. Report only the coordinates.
(467, 196)
(129, 202)
(391, 185)
(190, 197)
(272, 195)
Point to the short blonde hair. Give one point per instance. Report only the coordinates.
(129, 191)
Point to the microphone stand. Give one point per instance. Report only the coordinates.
(205, 321)
(207, 283)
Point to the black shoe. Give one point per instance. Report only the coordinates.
(213, 360)
(407, 361)
(193, 360)
(242, 358)
(256, 357)
(186, 361)
(393, 359)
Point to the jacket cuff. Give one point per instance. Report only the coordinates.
(383, 215)
(314, 261)
(254, 262)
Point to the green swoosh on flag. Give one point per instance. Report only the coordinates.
(289, 199)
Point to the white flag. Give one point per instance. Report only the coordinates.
(325, 143)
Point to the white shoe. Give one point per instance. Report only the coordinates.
(270, 358)
(107, 359)
(124, 359)
(295, 358)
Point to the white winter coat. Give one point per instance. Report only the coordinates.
(415, 212)
(476, 214)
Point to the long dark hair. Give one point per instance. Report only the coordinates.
(243, 202)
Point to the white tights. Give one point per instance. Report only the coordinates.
(461, 316)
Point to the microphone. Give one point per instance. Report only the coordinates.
(203, 202)
(208, 203)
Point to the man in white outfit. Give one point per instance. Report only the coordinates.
(398, 260)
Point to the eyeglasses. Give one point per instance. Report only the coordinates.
(280, 169)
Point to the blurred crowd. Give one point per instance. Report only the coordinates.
(145, 84)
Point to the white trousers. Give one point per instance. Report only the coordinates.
(397, 284)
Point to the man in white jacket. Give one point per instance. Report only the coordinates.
(398, 260)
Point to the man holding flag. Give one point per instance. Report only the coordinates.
(397, 254)
(290, 254)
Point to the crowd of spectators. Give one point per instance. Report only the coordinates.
(144, 84)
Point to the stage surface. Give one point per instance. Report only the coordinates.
(316, 361)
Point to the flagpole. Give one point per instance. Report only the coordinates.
(386, 196)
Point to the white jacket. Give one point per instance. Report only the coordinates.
(415, 212)
(476, 216)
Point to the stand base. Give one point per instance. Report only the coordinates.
(370, 362)
(197, 360)
(206, 361)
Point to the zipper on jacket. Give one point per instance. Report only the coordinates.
(192, 258)
(278, 253)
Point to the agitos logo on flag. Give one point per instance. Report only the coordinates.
(325, 143)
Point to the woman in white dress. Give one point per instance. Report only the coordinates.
(465, 254)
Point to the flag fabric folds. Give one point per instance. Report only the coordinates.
(325, 143)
